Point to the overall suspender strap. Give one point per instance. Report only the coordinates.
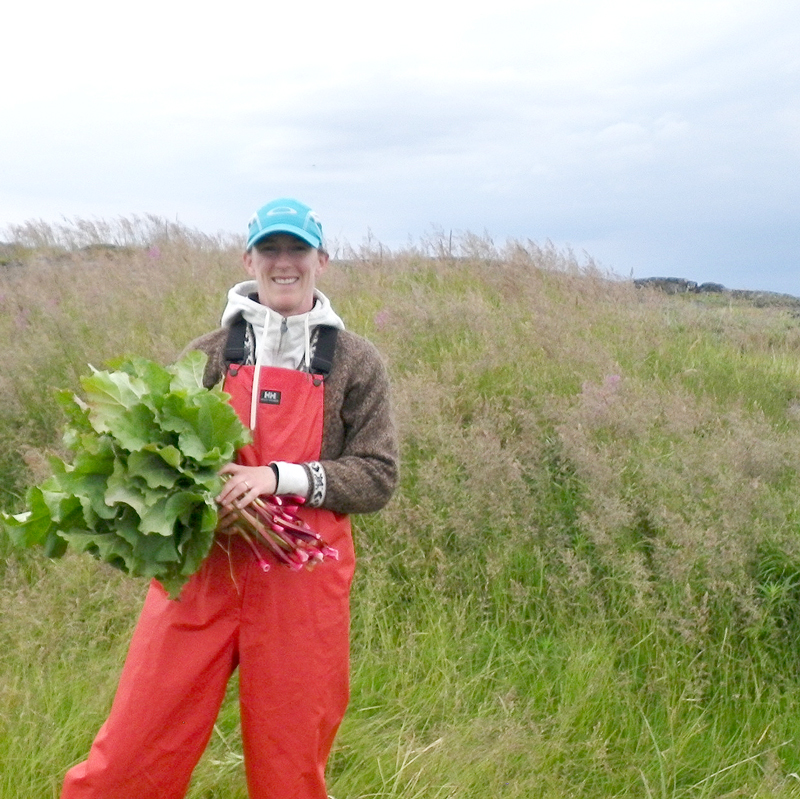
(235, 349)
(321, 361)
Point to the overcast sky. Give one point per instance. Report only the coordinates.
(660, 137)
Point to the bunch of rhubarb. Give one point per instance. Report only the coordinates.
(273, 521)
(147, 444)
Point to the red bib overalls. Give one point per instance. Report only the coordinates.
(287, 631)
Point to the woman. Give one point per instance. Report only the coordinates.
(316, 399)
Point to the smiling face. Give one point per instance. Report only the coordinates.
(286, 269)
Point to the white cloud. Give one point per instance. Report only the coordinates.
(617, 122)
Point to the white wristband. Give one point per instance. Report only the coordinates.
(292, 479)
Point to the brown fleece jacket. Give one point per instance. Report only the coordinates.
(359, 441)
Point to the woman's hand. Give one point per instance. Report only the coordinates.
(244, 484)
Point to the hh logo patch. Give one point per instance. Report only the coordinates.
(270, 397)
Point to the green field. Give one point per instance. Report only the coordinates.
(588, 584)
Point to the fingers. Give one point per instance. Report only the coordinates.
(227, 521)
(245, 484)
(236, 493)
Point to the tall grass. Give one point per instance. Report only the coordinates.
(587, 584)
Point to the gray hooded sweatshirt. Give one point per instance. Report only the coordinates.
(284, 342)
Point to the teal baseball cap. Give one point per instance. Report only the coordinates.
(285, 215)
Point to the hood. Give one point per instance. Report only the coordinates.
(280, 341)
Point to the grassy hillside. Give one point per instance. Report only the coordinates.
(588, 584)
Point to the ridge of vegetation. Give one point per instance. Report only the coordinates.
(588, 583)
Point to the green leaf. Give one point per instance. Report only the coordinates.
(156, 377)
(95, 454)
(108, 392)
(155, 549)
(188, 372)
(77, 413)
(151, 466)
(195, 547)
(124, 490)
(164, 514)
(63, 506)
(85, 482)
(116, 406)
(109, 548)
(171, 455)
(55, 546)
(209, 431)
(32, 527)
(134, 428)
(147, 443)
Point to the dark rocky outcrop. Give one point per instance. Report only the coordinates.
(711, 288)
(669, 285)
(679, 285)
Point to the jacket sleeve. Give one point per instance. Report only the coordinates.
(364, 475)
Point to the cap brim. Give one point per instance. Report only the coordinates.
(292, 231)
